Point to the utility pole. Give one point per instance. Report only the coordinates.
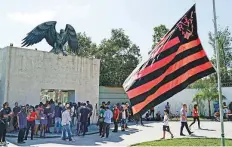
(218, 75)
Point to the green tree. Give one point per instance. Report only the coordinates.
(119, 57)
(207, 91)
(86, 48)
(159, 32)
(224, 45)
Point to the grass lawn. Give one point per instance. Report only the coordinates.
(186, 142)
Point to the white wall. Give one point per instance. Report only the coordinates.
(118, 95)
(30, 71)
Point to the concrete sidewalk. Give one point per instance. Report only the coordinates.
(135, 134)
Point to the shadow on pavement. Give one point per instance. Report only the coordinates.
(207, 129)
(88, 140)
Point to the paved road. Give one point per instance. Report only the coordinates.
(136, 134)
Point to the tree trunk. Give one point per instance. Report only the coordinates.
(209, 108)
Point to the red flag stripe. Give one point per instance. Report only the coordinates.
(166, 46)
(146, 87)
(171, 85)
(166, 60)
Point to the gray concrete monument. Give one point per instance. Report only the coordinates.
(24, 72)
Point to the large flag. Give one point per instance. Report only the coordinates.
(177, 61)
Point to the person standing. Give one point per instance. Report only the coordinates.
(124, 117)
(183, 119)
(43, 123)
(101, 120)
(84, 117)
(195, 117)
(6, 112)
(166, 125)
(108, 115)
(47, 111)
(16, 110)
(116, 118)
(58, 114)
(22, 124)
(91, 111)
(31, 117)
(66, 119)
(167, 107)
(2, 130)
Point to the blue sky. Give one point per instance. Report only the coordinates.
(98, 17)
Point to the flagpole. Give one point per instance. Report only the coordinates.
(218, 75)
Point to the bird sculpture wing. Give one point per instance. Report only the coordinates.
(45, 30)
(71, 38)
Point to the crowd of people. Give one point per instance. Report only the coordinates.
(39, 119)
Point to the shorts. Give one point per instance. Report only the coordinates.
(37, 122)
(123, 121)
(166, 128)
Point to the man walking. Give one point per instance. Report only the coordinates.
(183, 119)
(107, 121)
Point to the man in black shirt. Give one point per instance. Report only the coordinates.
(84, 115)
(5, 112)
(90, 107)
(16, 110)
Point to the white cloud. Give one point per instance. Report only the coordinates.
(32, 18)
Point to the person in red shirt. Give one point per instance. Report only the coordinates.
(31, 117)
(116, 118)
(195, 116)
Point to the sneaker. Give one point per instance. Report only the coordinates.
(190, 133)
(172, 136)
(182, 135)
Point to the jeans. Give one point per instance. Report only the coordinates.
(21, 134)
(184, 124)
(30, 124)
(84, 126)
(57, 124)
(106, 130)
(66, 128)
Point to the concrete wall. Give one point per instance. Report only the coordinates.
(29, 71)
(117, 95)
(112, 94)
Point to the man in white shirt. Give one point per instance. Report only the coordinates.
(66, 119)
(108, 115)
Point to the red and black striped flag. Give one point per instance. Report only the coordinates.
(177, 61)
